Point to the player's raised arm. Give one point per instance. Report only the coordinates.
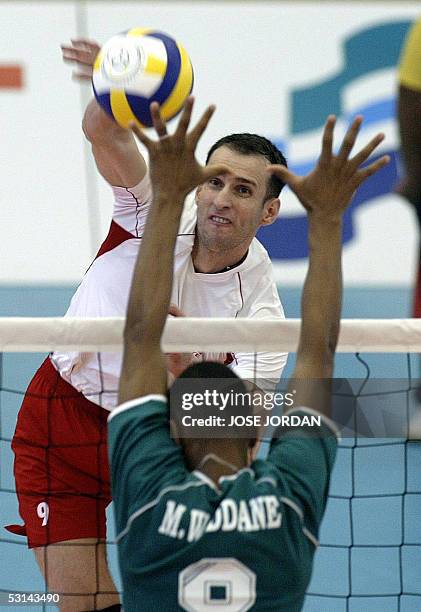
(115, 151)
(174, 173)
(325, 193)
(116, 154)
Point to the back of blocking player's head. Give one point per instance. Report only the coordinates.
(253, 144)
(208, 405)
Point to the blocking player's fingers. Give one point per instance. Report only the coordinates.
(184, 121)
(327, 139)
(157, 120)
(201, 126)
(140, 135)
(349, 139)
(366, 151)
(371, 169)
(213, 170)
(282, 173)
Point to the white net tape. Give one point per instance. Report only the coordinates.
(21, 334)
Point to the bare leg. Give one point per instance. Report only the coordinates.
(78, 571)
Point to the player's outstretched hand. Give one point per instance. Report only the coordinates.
(81, 53)
(329, 187)
(173, 166)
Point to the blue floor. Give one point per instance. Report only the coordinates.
(370, 558)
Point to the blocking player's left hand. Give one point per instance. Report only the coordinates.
(328, 189)
(173, 166)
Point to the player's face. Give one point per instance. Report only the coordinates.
(231, 207)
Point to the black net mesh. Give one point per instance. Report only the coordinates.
(370, 552)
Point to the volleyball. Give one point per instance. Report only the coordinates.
(138, 67)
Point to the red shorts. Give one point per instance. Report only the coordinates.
(61, 463)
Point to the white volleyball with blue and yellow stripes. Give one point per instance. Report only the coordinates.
(138, 67)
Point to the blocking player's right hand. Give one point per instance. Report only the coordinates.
(329, 188)
(81, 53)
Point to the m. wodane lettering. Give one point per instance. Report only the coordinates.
(255, 514)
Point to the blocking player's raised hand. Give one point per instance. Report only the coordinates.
(329, 187)
(173, 166)
(81, 52)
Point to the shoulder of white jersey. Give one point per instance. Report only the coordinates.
(141, 192)
(258, 254)
(131, 205)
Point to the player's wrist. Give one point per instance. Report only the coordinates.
(323, 221)
(98, 126)
(166, 196)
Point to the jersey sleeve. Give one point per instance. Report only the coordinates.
(304, 457)
(265, 367)
(131, 206)
(410, 62)
(144, 459)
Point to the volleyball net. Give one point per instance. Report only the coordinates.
(369, 557)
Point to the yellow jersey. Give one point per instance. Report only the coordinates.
(410, 62)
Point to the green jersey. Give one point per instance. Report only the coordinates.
(185, 543)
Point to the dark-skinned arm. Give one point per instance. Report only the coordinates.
(409, 117)
(325, 193)
(174, 173)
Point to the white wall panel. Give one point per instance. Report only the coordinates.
(248, 59)
(44, 234)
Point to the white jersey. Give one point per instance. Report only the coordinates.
(245, 291)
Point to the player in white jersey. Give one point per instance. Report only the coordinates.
(246, 290)
(60, 442)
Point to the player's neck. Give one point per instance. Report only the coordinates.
(209, 261)
(214, 466)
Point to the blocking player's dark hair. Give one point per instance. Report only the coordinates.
(209, 377)
(210, 369)
(253, 144)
